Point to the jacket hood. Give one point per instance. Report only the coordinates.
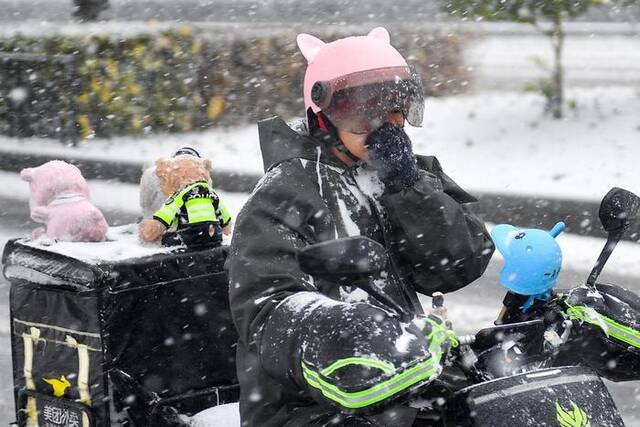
(279, 142)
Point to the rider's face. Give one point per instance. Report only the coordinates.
(355, 142)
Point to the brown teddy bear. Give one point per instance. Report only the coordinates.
(193, 214)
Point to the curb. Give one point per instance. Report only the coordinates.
(127, 172)
(581, 217)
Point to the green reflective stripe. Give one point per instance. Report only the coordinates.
(223, 213)
(207, 210)
(163, 216)
(166, 213)
(169, 211)
(618, 331)
(178, 202)
(200, 210)
(199, 218)
(386, 367)
(201, 215)
(440, 334)
(564, 418)
(360, 399)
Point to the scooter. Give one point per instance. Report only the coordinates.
(529, 373)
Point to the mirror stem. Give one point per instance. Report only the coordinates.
(612, 241)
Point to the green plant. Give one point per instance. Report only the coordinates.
(122, 85)
(184, 78)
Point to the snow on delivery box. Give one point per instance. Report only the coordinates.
(113, 331)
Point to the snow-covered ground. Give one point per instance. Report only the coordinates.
(497, 142)
(502, 143)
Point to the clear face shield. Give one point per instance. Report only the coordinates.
(360, 102)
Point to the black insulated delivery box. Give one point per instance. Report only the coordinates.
(114, 332)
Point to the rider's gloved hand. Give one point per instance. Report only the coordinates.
(353, 349)
(391, 154)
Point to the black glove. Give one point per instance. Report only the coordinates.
(390, 153)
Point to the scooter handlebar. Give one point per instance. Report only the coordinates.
(466, 339)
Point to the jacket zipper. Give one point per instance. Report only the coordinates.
(393, 269)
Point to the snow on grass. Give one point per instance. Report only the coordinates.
(501, 143)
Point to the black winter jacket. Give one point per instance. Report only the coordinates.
(289, 322)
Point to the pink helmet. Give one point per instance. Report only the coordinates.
(367, 72)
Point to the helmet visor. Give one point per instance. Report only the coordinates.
(360, 102)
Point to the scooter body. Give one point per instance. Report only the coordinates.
(562, 396)
(514, 378)
(510, 375)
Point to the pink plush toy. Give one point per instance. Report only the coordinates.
(60, 201)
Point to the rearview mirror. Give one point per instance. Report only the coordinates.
(618, 209)
(345, 258)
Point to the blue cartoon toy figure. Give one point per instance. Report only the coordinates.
(532, 263)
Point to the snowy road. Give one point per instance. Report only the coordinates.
(470, 309)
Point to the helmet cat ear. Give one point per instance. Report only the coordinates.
(380, 33)
(557, 229)
(309, 45)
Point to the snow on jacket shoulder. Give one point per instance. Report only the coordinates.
(307, 346)
(441, 242)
